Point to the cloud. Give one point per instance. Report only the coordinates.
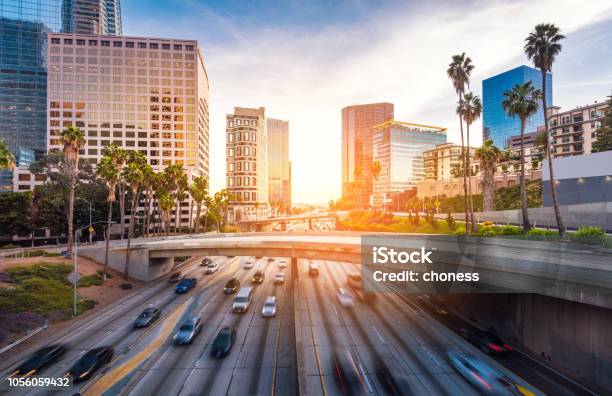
(307, 73)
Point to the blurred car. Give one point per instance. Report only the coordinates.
(279, 278)
(394, 381)
(231, 286)
(185, 285)
(313, 269)
(347, 373)
(174, 277)
(39, 360)
(243, 299)
(212, 268)
(188, 330)
(148, 316)
(258, 277)
(269, 308)
(90, 362)
(344, 298)
(248, 265)
(482, 376)
(486, 341)
(223, 342)
(282, 264)
(205, 261)
(488, 223)
(270, 259)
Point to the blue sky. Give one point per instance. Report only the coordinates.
(304, 61)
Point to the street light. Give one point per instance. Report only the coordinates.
(75, 254)
(83, 199)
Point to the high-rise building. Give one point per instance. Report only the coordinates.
(279, 167)
(444, 161)
(138, 93)
(247, 163)
(496, 124)
(398, 147)
(92, 17)
(358, 123)
(23, 78)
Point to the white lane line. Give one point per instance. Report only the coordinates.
(365, 377)
(378, 334)
(431, 356)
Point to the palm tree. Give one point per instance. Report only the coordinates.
(147, 186)
(470, 110)
(133, 174)
(459, 71)
(542, 46)
(165, 201)
(221, 202)
(199, 192)
(7, 161)
(376, 169)
(489, 156)
(208, 204)
(522, 101)
(107, 170)
(73, 140)
(119, 157)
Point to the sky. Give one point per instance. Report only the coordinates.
(306, 60)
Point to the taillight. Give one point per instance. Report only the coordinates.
(495, 348)
(508, 347)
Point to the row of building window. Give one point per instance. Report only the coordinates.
(247, 166)
(241, 181)
(230, 123)
(119, 44)
(242, 136)
(242, 151)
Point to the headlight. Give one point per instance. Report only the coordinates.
(84, 374)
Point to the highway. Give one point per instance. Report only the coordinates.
(393, 338)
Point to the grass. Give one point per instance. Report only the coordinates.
(90, 280)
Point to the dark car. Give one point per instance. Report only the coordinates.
(486, 341)
(148, 316)
(258, 277)
(222, 345)
(188, 330)
(348, 375)
(175, 277)
(39, 360)
(91, 362)
(205, 261)
(186, 284)
(231, 286)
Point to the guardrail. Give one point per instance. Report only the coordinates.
(30, 334)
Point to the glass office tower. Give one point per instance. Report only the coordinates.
(496, 124)
(92, 17)
(23, 77)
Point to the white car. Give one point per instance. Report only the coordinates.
(344, 298)
(212, 268)
(249, 264)
(279, 278)
(269, 307)
(282, 264)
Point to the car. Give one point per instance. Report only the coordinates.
(258, 277)
(482, 376)
(205, 262)
(174, 277)
(486, 341)
(349, 377)
(90, 362)
(313, 269)
(231, 286)
(188, 330)
(258, 257)
(270, 259)
(282, 264)
(488, 223)
(279, 278)
(147, 317)
(212, 268)
(243, 300)
(223, 342)
(344, 298)
(269, 308)
(248, 265)
(185, 285)
(39, 360)
(393, 381)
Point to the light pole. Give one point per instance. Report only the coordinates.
(75, 254)
(90, 234)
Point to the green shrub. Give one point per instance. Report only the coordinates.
(590, 235)
(488, 231)
(510, 230)
(42, 270)
(450, 221)
(537, 234)
(89, 280)
(460, 230)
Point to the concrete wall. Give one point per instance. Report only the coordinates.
(139, 262)
(573, 336)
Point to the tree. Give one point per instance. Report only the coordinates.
(489, 156)
(542, 46)
(178, 184)
(221, 202)
(108, 171)
(459, 71)
(119, 157)
(165, 201)
(376, 169)
(199, 192)
(208, 204)
(15, 213)
(7, 161)
(604, 132)
(470, 109)
(134, 177)
(522, 102)
(73, 140)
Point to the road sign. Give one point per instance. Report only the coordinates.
(90, 229)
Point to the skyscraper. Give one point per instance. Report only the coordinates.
(398, 147)
(247, 163)
(138, 93)
(496, 124)
(358, 123)
(92, 17)
(279, 167)
(23, 78)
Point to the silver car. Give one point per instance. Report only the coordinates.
(188, 330)
(481, 375)
(269, 307)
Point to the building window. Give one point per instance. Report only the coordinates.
(80, 42)
(105, 43)
(129, 44)
(142, 45)
(166, 46)
(93, 43)
(55, 40)
(68, 41)
(117, 44)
